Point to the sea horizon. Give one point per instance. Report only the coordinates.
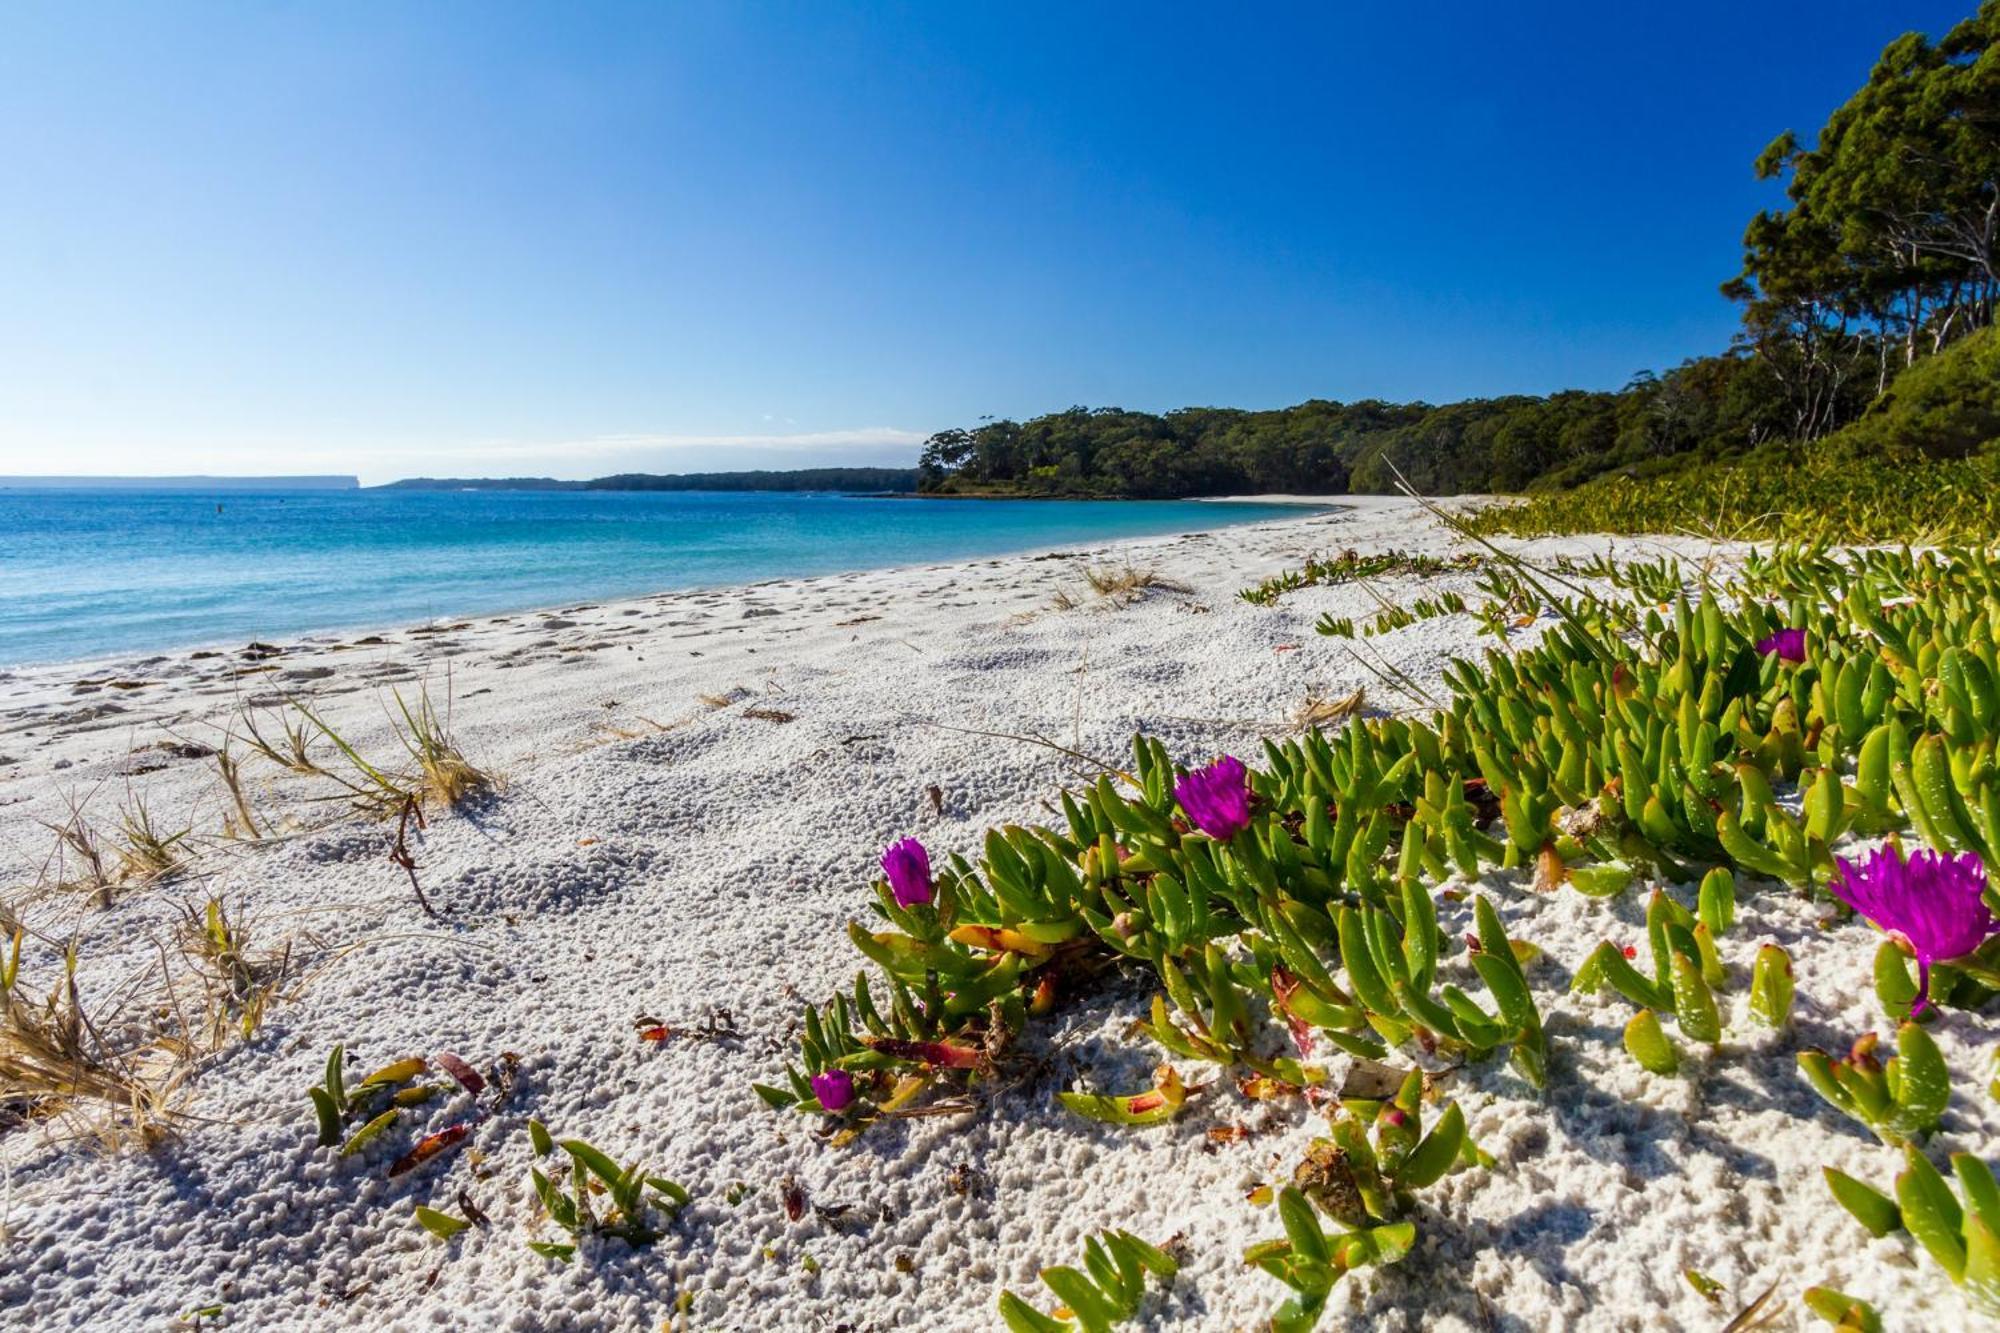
(95, 572)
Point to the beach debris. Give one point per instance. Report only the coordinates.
(639, 1204)
(1107, 1290)
(467, 1077)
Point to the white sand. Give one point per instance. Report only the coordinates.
(653, 856)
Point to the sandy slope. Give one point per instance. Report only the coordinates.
(658, 856)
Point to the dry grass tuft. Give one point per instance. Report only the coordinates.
(444, 774)
(237, 987)
(149, 855)
(1127, 583)
(438, 771)
(57, 1063)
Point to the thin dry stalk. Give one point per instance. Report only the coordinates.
(77, 844)
(371, 789)
(243, 823)
(296, 733)
(1318, 712)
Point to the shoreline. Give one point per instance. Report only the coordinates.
(9, 673)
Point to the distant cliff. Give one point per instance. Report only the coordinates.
(181, 483)
(800, 479)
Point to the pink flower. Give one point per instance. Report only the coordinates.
(1788, 644)
(835, 1090)
(1217, 798)
(1932, 903)
(908, 868)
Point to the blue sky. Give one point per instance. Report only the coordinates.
(573, 239)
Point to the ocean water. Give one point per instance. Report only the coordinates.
(91, 573)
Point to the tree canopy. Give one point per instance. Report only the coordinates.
(1882, 258)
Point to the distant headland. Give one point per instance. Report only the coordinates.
(194, 483)
(798, 479)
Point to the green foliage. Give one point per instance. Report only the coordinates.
(1848, 1314)
(1311, 1262)
(638, 1202)
(374, 1104)
(1351, 566)
(1107, 1290)
(1899, 1100)
(1959, 1230)
(1943, 406)
(1816, 498)
(1379, 1154)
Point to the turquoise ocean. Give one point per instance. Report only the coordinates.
(92, 573)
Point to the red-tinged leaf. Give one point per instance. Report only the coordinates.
(794, 1196)
(1286, 648)
(1550, 872)
(940, 1053)
(430, 1146)
(1228, 1133)
(468, 1077)
(1283, 986)
(660, 1033)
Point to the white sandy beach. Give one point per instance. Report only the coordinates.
(696, 789)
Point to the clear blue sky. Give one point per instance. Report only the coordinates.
(574, 238)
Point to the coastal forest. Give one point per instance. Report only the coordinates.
(1867, 305)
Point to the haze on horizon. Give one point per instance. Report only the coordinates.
(495, 240)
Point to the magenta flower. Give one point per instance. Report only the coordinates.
(835, 1090)
(1217, 798)
(1931, 903)
(908, 867)
(1788, 644)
